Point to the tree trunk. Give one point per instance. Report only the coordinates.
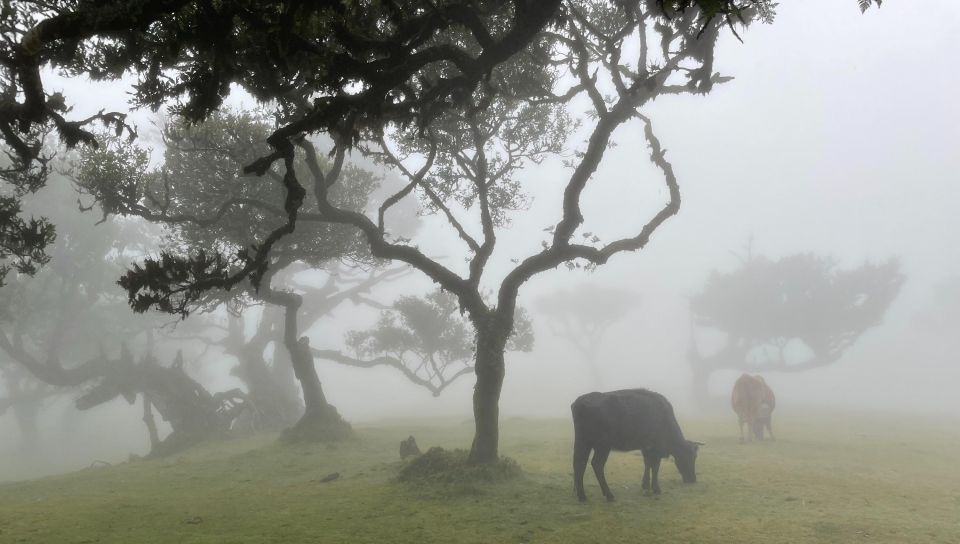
(151, 423)
(320, 420)
(272, 390)
(491, 344)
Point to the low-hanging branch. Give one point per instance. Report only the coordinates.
(435, 381)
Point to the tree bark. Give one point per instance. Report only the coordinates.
(490, 369)
(273, 391)
(320, 420)
(151, 423)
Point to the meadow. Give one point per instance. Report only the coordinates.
(827, 478)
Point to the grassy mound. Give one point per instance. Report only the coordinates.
(450, 467)
(326, 426)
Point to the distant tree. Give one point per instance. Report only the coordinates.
(791, 314)
(211, 208)
(55, 323)
(58, 325)
(194, 414)
(582, 315)
(426, 338)
(25, 397)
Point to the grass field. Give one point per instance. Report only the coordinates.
(838, 479)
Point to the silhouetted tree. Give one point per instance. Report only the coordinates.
(425, 338)
(582, 315)
(25, 398)
(791, 314)
(56, 325)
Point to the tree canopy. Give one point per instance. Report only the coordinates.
(790, 314)
(354, 67)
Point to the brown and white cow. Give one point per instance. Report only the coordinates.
(753, 401)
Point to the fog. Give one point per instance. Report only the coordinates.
(837, 137)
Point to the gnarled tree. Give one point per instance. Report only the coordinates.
(791, 314)
(211, 208)
(56, 326)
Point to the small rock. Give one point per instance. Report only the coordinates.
(409, 448)
(329, 477)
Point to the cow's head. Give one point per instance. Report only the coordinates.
(686, 460)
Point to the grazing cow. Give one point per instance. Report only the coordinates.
(627, 420)
(753, 401)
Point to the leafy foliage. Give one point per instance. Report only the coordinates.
(766, 304)
(23, 243)
(214, 213)
(355, 66)
(428, 339)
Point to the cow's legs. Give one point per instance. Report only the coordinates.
(770, 427)
(598, 462)
(647, 463)
(580, 453)
(740, 419)
(655, 466)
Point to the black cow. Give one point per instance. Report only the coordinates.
(631, 419)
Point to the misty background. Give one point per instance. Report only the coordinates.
(838, 136)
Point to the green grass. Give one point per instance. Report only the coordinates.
(827, 479)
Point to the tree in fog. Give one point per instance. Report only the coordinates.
(582, 315)
(791, 314)
(427, 339)
(55, 322)
(210, 208)
(25, 398)
(62, 328)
